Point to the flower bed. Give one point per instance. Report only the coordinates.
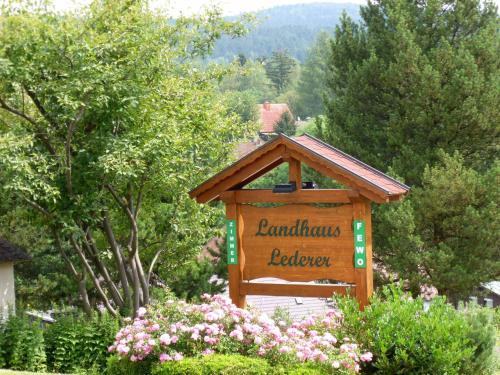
(177, 330)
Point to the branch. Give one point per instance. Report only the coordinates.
(69, 136)
(119, 257)
(17, 112)
(153, 264)
(39, 106)
(36, 206)
(41, 136)
(94, 253)
(95, 280)
(134, 242)
(64, 255)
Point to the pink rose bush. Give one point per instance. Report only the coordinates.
(178, 329)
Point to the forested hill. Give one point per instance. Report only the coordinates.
(290, 27)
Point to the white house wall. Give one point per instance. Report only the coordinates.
(7, 296)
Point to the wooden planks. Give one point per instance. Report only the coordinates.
(297, 242)
(302, 196)
(297, 290)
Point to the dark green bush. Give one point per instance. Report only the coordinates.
(481, 332)
(22, 344)
(406, 340)
(215, 365)
(74, 343)
(117, 366)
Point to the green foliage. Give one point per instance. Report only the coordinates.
(312, 83)
(482, 334)
(70, 344)
(215, 364)
(242, 104)
(447, 233)
(413, 78)
(279, 68)
(249, 78)
(195, 278)
(406, 340)
(76, 343)
(117, 366)
(286, 124)
(22, 344)
(106, 123)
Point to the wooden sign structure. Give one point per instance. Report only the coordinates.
(300, 241)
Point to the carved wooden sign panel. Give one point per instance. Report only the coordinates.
(297, 242)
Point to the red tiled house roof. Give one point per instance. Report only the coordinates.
(270, 114)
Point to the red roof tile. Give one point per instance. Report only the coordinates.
(270, 115)
(351, 164)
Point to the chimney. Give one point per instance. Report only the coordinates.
(267, 105)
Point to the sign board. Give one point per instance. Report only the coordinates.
(298, 242)
(359, 244)
(231, 242)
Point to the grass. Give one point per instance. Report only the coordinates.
(11, 372)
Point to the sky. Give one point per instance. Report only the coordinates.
(230, 7)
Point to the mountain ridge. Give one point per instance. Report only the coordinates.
(285, 27)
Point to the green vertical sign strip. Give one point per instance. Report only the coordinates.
(359, 244)
(232, 245)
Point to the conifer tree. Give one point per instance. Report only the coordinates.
(279, 69)
(413, 78)
(286, 124)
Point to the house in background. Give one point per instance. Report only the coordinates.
(269, 115)
(9, 254)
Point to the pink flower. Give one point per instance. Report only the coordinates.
(141, 312)
(165, 339)
(178, 356)
(366, 357)
(257, 340)
(207, 352)
(174, 339)
(165, 357)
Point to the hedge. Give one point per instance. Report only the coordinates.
(216, 364)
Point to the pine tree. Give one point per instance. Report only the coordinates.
(286, 124)
(313, 77)
(279, 69)
(415, 77)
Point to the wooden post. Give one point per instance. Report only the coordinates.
(294, 172)
(364, 276)
(235, 270)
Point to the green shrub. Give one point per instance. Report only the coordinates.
(481, 332)
(74, 343)
(118, 366)
(406, 340)
(215, 365)
(22, 344)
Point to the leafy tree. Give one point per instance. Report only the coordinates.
(447, 232)
(242, 104)
(286, 124)
(279, 68)
(313, 77)
(415, 77)
(104, 127)
(250, 77)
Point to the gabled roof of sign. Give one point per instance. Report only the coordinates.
(11, 253)
(319, 155)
